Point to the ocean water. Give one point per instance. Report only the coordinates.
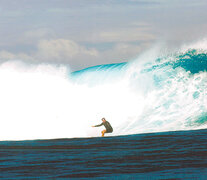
(166, 155)
(156, 104)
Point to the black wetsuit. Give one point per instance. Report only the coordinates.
(107, 125)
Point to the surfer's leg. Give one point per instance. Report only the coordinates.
(103, 132)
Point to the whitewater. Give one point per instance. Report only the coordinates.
(158, 91)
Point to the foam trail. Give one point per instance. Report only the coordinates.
(152, 94)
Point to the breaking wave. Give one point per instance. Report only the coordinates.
(156, 92)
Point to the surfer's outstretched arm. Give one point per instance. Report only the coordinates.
(98, 125)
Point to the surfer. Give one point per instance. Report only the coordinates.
(107, 125)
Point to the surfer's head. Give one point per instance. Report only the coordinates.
(103, 119)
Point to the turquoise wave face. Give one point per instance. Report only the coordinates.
(98, 74)
(194, 61)
(103, 67)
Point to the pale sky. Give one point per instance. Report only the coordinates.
(82, 33)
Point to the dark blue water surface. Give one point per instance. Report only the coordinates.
(169, 155)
